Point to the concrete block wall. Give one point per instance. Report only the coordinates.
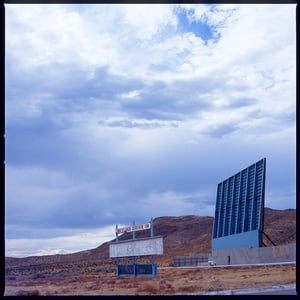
(283, 253)
(191, 260)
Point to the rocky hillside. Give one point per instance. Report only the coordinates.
(182, 235)
(280, 226)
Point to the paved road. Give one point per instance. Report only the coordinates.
(273, 290)
(291, 291)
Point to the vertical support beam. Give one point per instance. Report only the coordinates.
(239, 206)
(216, 218)
(153, 266)
(262, 202)
(245, 200)
(117, 266)
(117, 260)
(133, 232)
(152, 257)
(117, 238)
(134, 267)
(224, 205)
(231, 221)
(219, 209)
(254, 200)
(151, 228)
(248, 200)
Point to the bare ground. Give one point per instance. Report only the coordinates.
(169, 281)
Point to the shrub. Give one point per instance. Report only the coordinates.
(36, 276)
(187, 289)
(28, 293)
(150, 288)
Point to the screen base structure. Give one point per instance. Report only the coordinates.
(137, 269)
(249, 239)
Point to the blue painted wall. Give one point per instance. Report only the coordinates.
(240, 240)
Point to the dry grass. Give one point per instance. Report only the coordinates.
(168, 282)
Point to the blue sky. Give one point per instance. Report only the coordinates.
(115, 113)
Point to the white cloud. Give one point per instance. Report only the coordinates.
(146, 21)
(68, 40)
(59, 245)
(130, 95)
(110, 102)
(50, 34)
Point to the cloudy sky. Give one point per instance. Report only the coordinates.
(116, 113)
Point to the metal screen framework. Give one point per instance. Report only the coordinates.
(240, 205)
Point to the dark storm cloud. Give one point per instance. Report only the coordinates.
(41, 140)
(72, 91)
(103, 85)
(70, 85)
(177, 100)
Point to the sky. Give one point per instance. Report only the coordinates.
(119, 113)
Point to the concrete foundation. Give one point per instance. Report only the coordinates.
(191, 260)
(284, 253)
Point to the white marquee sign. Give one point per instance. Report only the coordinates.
(145, 246)
(133, 228)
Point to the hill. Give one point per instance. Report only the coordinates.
(183, 235)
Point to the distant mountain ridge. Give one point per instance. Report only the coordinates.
(183, 235)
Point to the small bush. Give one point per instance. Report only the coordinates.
(36, 276)
(187, 289)
(28, 293)
(149, 288)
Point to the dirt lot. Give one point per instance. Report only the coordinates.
(169, 281)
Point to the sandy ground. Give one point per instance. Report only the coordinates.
(168, 281)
